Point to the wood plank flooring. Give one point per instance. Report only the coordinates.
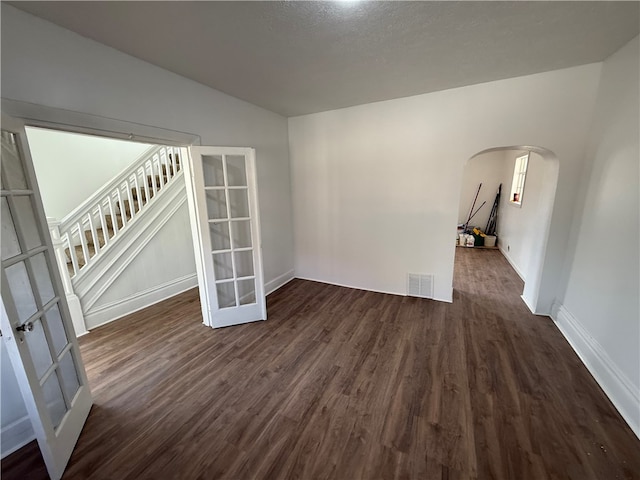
(347, 384)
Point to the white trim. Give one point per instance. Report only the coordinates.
(505, 254)
(400, 294)
(527, 303)
(77, 316)
(16, 435)
(130, 170)
(214, 315)
(35, 115)
(615, 384)
(278, 282)
(114, 310)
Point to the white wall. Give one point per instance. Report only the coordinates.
(51, 66)
(16, 426)
(165, 266)
(487, 169)
(71, 167)
(599, 313)
(48, 65)
(521, 229)
(376, 187)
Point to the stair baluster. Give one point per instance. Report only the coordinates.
(103, 223)
(87, 231)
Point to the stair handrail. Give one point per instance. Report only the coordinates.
(74, 215)
(114, 205)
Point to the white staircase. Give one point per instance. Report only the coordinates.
(111, 226)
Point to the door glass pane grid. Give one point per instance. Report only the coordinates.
(212, 170)
(241, 234)
(223, 266)
(236, 170)
(59, 385)
(216, 204)
(247, 291)
(21, 222)
(53, 320)
(220, 236)
(54, 400)
(27, 275)
(231, 236)
(238, 203)
(9, 239)
(42, 277)
(68, 372)
(13, 177)
(24, 216)
(40, 341)
(226, 294)
(36, 341)
(21, 290)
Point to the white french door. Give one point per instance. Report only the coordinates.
(35, 320)
(223, 200)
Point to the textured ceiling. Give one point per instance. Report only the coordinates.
(303, 57)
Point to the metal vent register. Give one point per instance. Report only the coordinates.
(419, 285)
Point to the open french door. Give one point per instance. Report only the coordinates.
(223, 205)
(34, 317)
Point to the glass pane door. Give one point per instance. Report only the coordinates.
(36, 324)
(226, 207)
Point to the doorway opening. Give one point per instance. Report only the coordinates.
(110, 206)
(522, 219)
(237, 191)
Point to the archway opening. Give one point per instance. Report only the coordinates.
(522, 214)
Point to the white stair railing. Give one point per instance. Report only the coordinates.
(84, 234)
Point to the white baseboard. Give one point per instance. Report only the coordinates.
(112, 311)
(281, 280)
(616, 385)
(402, 294)
(529, 306)
(348, 286)
(95, 281)
(16, 435)
(505, 254)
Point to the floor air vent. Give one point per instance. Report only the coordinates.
(420, 285)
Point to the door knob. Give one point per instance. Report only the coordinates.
(25, 327)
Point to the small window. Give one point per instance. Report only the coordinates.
(519, 176)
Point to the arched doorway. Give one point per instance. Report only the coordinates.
(522, 226)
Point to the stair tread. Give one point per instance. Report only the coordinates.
(167, 174)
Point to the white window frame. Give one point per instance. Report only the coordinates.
(518, 181)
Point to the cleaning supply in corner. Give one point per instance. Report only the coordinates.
(479, 237)
(471, 241)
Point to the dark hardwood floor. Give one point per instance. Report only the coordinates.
(346, 384)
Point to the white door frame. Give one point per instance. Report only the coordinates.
(35, 115)
(56, 441)
(212, 314)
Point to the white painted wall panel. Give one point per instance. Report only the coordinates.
(168, 256)
(487, 169)
(604, 282)
(521, 229)
(376, 187)
(71, 167)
